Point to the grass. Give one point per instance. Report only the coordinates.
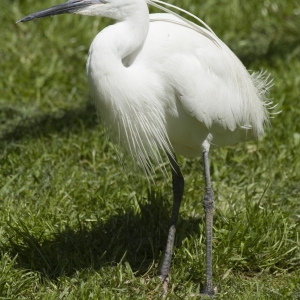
(74, 225)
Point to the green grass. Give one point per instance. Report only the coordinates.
(75, 225)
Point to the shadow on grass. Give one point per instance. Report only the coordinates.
(279, 48)
(138, 239)
(15, 126)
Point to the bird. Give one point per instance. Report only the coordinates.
(166, 86)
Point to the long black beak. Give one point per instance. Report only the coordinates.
(69, 7)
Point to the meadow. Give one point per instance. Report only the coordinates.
(77, 224)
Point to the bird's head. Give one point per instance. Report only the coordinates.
(114, 9)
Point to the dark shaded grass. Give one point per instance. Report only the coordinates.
(16, 126)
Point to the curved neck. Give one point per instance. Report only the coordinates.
(126, 37)
(111, 56)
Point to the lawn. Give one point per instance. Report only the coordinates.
(77, 224)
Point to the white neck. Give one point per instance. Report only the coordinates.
(121, 88)
(113, 50)
(125, 37)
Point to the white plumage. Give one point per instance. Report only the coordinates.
(173, 91)
(165, 86)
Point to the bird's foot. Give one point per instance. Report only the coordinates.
(201, 296)
(205, 293)
(165, 281)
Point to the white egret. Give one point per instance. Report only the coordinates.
(165, 86)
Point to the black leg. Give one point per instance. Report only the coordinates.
(208, 204)
(178, 187)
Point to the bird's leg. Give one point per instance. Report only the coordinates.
(178, 187)
(208, 204)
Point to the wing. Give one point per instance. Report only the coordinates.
(212, 84)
